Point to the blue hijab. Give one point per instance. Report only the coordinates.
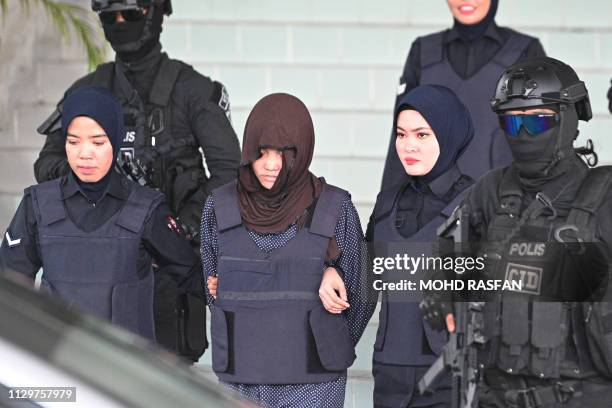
(448, 118)
(101, 105)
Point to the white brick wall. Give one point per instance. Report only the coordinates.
(342, 58)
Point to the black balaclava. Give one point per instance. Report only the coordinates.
(449, 119)
(102, 106)
(472, 32)
(133, 40)
(545, 156)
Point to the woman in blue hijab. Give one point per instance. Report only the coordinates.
(95, 233)
(433, 130)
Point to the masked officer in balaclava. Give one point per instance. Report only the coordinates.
(170, 111)
(468, 59)
(545, 223)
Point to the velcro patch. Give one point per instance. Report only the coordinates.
(529, 277)
(224, 99)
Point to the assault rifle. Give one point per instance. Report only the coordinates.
(460, 354)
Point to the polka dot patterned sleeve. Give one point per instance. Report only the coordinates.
(353, 264)
(209, 247)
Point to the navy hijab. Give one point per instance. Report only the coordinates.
(448, 118)
(102, 106)
(472, 32)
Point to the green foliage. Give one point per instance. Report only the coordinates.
(67, 17)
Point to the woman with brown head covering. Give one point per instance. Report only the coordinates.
(270, 236)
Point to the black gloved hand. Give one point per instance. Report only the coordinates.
(435, 306)
(189, 219)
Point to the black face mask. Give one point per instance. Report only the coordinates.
(537, 157)
(533, 155)
(132, 40)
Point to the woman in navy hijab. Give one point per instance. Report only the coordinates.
(433, 130)
(93, 232)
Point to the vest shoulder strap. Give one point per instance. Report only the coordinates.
(227, 211)
(103, 75)
(47, 202)
(431, 49)
(135, 211)
(385, 202)
(165, 80)
(512, 50)
(327, 210)
(448, 210)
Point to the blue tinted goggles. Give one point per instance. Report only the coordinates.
(533, 124)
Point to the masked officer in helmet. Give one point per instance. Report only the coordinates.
(171, 112)
(544, 221)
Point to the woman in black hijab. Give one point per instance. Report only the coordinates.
(433, 130)
(271, 236)
(468, 59)
(93, 232)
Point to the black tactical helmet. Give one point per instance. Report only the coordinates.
(541, 81)
(117, 5)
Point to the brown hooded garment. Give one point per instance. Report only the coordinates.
(282, 122)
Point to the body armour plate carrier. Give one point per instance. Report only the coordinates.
(268, 323)
(176, 163)
(489, 148)
(402, 333)
(97, 271)
(543, 329)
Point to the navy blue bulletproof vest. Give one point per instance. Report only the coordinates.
(488, 149)
(97, 271)
(401, 329)
(268, 323)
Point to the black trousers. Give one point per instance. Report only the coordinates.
(397, 387)
(164, 311)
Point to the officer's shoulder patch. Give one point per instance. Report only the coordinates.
(12, 241)
(401, 88)
(220, 97)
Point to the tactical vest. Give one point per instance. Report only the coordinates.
(176, 163)
(401, 330)
(268, 323)
(97, 271)
(529, 331)
(488, 149)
